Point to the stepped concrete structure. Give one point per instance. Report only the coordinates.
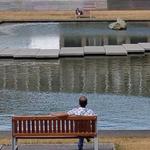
(73, 4)
(107, 50)
(128, 4)
(26, 53)
(146, 46)
(94, 50)
(71, 51)
(133, 48)
(115, 50)
(52, 4)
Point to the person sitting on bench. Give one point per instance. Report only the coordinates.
(83, 111)
(78, 12)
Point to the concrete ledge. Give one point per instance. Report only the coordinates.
(26, 53)
(8, 52)
(115, 50)
(109, 50)
(94, 50)
(48, 53)
(71, 51)
(133, 48)
(146, 46)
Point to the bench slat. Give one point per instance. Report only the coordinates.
(67, 126)
(37, 126)
(93, 126)
(24, 126)
(28, 128)
(50, 126)
(41, 126)
(46, 128)
(20, 126)
(74, 134)
(54, 126)
(63, 126)
(58, 126)
(33, 126)
(71, 125)
(48, 117)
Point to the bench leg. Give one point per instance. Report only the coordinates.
(96, 143)
(13, 143)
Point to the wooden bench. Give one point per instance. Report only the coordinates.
(51, 127)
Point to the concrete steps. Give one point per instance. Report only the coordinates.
(107, 50)
(115, 50)
(71, 51)
(52, 53)
(133, 48)
(146, 46)
(94, 50)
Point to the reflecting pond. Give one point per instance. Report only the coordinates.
(57, 35)
(118, 88)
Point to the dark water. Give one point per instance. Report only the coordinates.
(57, 35)
(118, 89)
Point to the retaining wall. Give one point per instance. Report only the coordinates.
(51, 4)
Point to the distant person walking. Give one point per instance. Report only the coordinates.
(83, 111)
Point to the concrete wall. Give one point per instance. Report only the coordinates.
(51, 4)
(73, 4)
(128, 4)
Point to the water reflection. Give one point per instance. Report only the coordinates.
(120, 75)
(30, 35)
(57, 35)
(43, 86)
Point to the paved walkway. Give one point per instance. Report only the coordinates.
(26, 16)
(60, 147)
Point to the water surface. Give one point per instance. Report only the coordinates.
(57, 35)
(118, 89)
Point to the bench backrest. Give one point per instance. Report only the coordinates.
(52, 126)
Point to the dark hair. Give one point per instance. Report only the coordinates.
(83, 101)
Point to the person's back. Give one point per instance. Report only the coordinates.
(82, 111)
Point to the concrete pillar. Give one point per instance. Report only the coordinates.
(83, 41)
(105, 40)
